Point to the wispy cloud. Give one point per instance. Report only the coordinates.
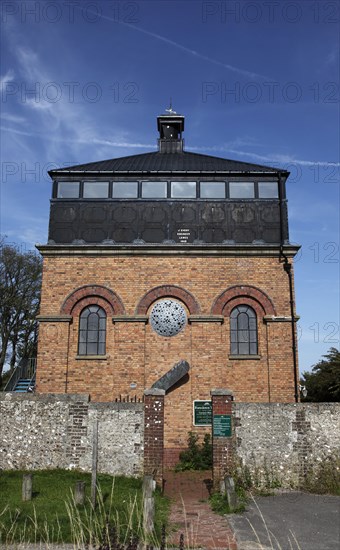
(12, 118)
(333, 56)
(26, 235)
(60, 123)
(85, 141)
(6, 79)
(272, 158)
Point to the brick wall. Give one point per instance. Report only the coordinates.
(154, 434)
(136, 355)
(223, 446)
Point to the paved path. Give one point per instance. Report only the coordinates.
(192, 515)
(289, 521)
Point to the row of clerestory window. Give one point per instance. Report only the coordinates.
(167, 189)
(243, 331)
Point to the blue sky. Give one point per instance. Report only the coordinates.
(257, 81)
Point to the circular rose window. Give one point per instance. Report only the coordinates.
(168, 317)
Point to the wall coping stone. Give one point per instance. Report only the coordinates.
(221, 392)
(45, 397)
(117, 406)
(300, 406)
(154, 391)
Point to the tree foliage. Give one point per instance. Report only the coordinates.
(20, 284)
(323, 383)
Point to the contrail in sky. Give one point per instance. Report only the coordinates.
(237, 70)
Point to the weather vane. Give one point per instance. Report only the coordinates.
(170, 110)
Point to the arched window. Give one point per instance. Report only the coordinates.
(243, 331)
(92, 331)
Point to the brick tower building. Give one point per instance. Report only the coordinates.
(164, 257)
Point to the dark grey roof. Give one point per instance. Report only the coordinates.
(167, 162)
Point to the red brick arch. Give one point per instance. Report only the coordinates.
(92, 294)
(168, 291)
(243, 294)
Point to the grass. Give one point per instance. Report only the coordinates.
(323, 478)
(219, 505)
(52, 515)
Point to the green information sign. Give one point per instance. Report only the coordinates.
(202, 413)
(222, 425)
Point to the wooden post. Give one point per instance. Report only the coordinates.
(148, 504)
(231, 493)
(79, 492)
(27, 487)
(94, 462)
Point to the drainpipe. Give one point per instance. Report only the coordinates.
(288, 269)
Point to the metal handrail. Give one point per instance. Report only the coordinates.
(25, 369)
(31, 387)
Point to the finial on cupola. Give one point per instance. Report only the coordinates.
(170, 127)
(170, 110)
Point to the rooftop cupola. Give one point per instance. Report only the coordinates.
(170, 127)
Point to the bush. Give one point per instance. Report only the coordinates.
(323, 478)
(196, 457)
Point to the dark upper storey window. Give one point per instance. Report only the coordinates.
(96, 190)
(212, 190)
(268, 190)
(149, 189)
(154, 189)
(241, 190)
(183, 189)
(68, 190)
(125, 189)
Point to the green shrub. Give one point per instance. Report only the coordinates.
(219, 503)
(323, 478)
(196, 456)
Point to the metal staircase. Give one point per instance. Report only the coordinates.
(23, 385)
(23, 377)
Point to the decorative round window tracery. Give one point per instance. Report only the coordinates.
(168, 317)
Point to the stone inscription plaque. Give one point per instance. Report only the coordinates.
(222, 425)
(183, 235)
(202, 413)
